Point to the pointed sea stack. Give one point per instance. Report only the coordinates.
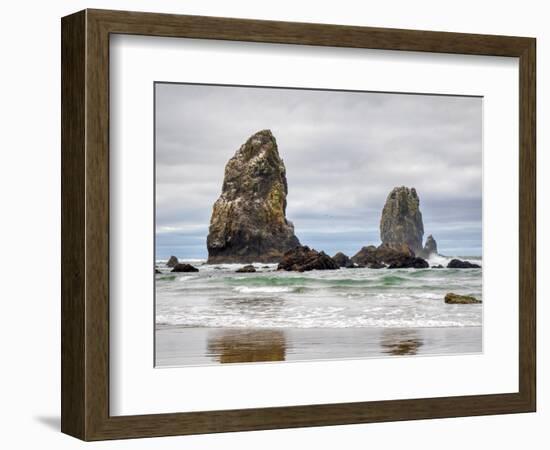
(248, 222)
(401, 221)
(430, 247)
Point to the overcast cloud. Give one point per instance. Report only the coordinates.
(343, 151)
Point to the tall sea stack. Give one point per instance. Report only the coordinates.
(248, 222)
(401, 221)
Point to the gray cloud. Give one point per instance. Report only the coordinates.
(344, 152)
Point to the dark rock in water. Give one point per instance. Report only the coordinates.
(373, 257)
(459, 264)
(455, 299)
(246, 269)
(184, 268)
(438, 266)
(365, 256)
(302, 259)
(172, 261)
(430, 247)
(343, 260)
(248, 222)
(157, 271)
(390, 253)
(401, 221)
(410, 263)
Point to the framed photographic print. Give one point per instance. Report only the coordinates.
(271, 224)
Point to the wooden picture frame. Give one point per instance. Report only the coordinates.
(85, 224)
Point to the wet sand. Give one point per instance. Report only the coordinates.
(180, 346)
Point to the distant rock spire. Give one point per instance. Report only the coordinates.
(401, 221)
(248, 222)
(430, 247)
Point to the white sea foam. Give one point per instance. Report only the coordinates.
(435, 260)
(263, 289)
(223, 321)
(188, 277)
(219, 297)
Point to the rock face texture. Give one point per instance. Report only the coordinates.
(455, 299)
(343, 260)
(401, 221)
(303, 259)
(248, 222)
(459, 264)
(430, 247)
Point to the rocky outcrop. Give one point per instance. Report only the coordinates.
(184, 268)
(430, 247)
(401, 221)
(412, 262)
(455, 299)
(172, 261)
(373, 257)
(303, 259)
(246, 269)
(438, 266)
(248, 222)
(394, 256)
(459, 264)
(157, 271)
(366, 256)
(343, 260)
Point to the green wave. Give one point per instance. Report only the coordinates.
(386, 280)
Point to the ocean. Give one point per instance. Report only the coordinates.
(217, 315)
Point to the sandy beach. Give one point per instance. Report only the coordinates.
(181, 346)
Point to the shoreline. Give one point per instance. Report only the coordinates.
(177, 346)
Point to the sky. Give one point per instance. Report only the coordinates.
(343, 151)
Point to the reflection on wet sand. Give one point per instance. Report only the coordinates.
(400, 342)
(239, 346)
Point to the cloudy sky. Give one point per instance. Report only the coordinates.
(343, 151)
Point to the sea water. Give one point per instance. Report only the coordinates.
(218, 297)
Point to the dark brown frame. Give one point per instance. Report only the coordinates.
(85, 224)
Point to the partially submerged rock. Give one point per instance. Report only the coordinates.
(157, 271)
(438, 266)
(365, 256)
(392, 255)
(172, 261)
(459, 264)
(302, 259)
(410, 263)
(343, 260)
(184, 268)
(248, 222)
(246, 269)
(401, 221)
(455, 299)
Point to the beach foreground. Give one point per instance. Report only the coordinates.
(182, 346)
